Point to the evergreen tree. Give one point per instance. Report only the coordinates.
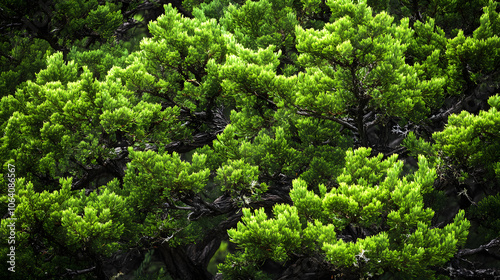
(277, 126)
(379, 218)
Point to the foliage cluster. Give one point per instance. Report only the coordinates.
(300, 131)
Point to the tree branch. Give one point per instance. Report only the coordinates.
(458, 271)
(309, 113)
(483, 248)
(71, 273)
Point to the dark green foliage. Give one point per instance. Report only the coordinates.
(268, 123)
(20, 60)
(487, 215)
(144, 273)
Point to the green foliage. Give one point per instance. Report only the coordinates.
(275, 155)
(260, 233)
(366, 50)
(104, 20)
(241, 266)
(486, 213)
(490, 22)
(179, 63)
(469, 143)
(144, 270)
(261, 23)
(357, 63)
(376, 198)
(35, 30)
(238, 177)
(20, 60)
(478, 53)
(473, 140)
(64, 223)
(368, 170)
(324, 164)
(96, 222)
(428, 51)
(69, 120)
(418, 146)
(218, 257)
(82, 14)
(100, 60)
(301, 82)
(450, 15)
(494, 101)
(212, 9)
(153, 178)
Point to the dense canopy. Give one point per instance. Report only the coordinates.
(269, 139)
